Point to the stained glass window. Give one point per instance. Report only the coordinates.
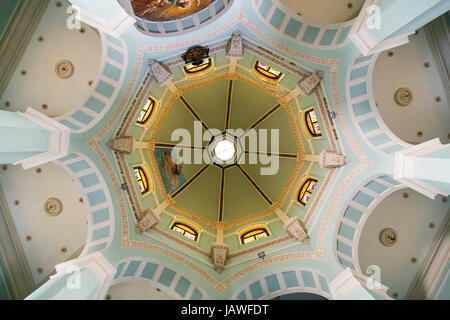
(191, 68)
(312, 123)
(267, 71)
(185, 231)
(306, 190)
(141, 179)
(254, 235)
(146, 112)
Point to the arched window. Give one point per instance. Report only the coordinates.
(306, 190)
(141, 179)
(186, 231)
(191, 68)
(254, 235)
(146, 111)
(312, 123)
(267, 71)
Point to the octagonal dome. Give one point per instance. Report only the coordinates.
(254, 122)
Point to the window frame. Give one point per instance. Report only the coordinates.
(304, 190)
(149, 108)
(310, 123)
(202, 67)
(143, 178)
(252, 234)
(186, 229)
(267, 72)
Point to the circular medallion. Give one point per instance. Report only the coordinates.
(52, 207)
(388, 237)
(404, 97)
(64, 69)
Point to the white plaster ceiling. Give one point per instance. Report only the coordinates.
(40, 85)
(327, 11)
(137, 290)
(406, 69)
(49, 234)
(410, 218)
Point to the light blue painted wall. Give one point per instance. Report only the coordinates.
(57, 288)
(21, 138)
(405, 16)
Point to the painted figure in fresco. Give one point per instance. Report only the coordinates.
(143, 7)
(171, 169)
(165, 10)
(183, 3)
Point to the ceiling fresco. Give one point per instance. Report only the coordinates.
(167, 10)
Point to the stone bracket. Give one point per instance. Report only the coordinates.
(150, 219)
(309, 84)
(124, 144)
(160, 72)
(235, 47)
(297, 229)
(330, 159)
(219, 254)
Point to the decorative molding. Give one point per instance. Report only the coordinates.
(59, 139)
(348, 281)
(434, 266)
(405, 166)
(115, 26)
(364, 40)
(53, 207)
(64, 69)
(15, 41)
(13, 255)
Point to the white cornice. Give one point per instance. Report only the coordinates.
(365, 41)
(98, 265)
(59, 139)
(405, 166)
(115, 27)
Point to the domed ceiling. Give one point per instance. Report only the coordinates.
(228, 109)
(195, 114)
